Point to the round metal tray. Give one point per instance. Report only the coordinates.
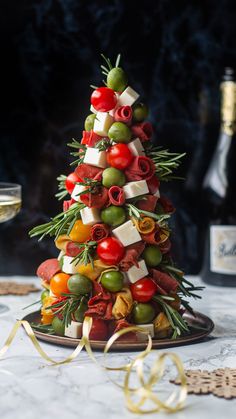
(204, 323)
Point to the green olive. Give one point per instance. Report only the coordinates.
(58, 326)
(112, 281)
(44, 295)
(112, 176)
(152, 255)
(113, 215)
(89, 122)
(140, 112)
(143, 313)
(117, 79)
(81, 309)
(119, 132)
(79, 284)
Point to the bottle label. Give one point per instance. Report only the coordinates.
(223, 249)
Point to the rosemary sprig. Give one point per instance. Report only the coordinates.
(86, 255)
(108, 67)
(136, 213)
(186, 288)
(44, 328)
(60, 224)
(92, 186)
(103, 144)
(80, 153)
(62, 191)
(177, 322)
(165, 162)
(66, 307)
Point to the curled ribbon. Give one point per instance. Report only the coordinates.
(144, 392)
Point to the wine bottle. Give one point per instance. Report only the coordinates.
(219, 195)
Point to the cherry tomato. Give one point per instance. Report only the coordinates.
(80, 232)
(110, 250)
(58, 284)
(99, 330)
(70, 181)
(103, 99)
(153, 184)
(143, 290)
(119, 156)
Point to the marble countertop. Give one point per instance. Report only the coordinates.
(30, 389)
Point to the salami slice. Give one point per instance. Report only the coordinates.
(67, 204)
(147, 204)
(90, 138)
(116, 195)
(166, 204)
(141, 168)
(131, 256)
(143, 131)
(164, 281)
(123, 114)
(99, 232)
(48, 269)
(88, 171)
(96, 199)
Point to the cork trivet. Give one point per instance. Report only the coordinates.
(14, 288)
(220, 382)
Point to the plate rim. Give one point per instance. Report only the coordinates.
(130, 346)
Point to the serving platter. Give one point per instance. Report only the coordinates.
(200, 327)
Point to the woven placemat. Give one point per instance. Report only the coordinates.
(220, 382)
(14, 288)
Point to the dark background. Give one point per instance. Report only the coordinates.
(174, 53)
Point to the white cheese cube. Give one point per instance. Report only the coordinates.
(95, 157)
(61, 254)
(90, 216)
(76, 191)
(136, 147)
(68, 266)
(127, 233)
(102, 123)
(128, 97)
(92, 109)
(132, 189)
(157, 193)
(134, 273)
(149, 328)
(74, 330)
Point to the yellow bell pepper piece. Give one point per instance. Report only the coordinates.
(145, 225)
(47, 315)
(62, 241)
(80, 232)
(162, 326)
(93, 272)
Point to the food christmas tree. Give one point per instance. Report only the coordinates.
(115, 261)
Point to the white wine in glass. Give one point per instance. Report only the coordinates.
(10, 205)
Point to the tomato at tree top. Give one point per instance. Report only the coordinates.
(110, 250)
(103, 99)
(71, 179)
(119, 156)
(143, 290)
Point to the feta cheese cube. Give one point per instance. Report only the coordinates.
(102, 123)
(134, 273)
(74, 330)
(128, 97)
(127, 233)
(68, 266)
(95, 157)
(149, 328)
(92, 109)
(136, 147)
(76, 191)
(132, 189)
(90, 216)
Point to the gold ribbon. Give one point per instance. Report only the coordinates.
(144, 392)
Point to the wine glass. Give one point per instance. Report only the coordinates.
(10, 205)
